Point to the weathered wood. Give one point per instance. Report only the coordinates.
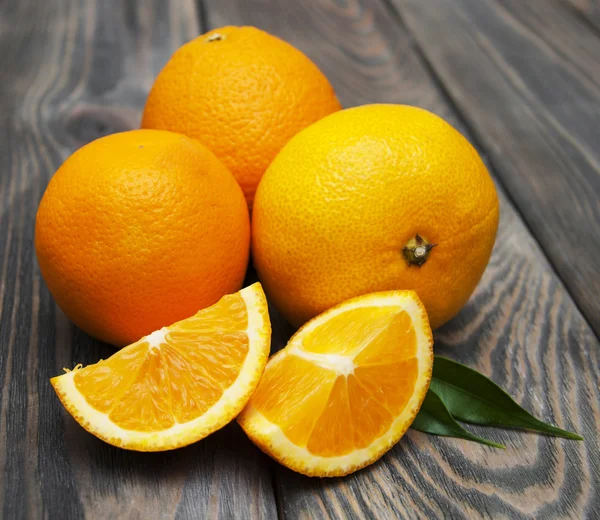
(526, 76)
(589, 9)
(72, 71)
(521, 327)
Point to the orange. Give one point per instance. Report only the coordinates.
(140, 229)
(243, 93)
(178, 384)
(346, 387)
(374, 198)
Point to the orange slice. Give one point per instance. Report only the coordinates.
(346, 387)
(178, 384)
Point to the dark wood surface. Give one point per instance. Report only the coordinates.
(589, 10)
(520, 79)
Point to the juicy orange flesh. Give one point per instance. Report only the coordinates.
(345, 333)
(294, 395)
(151, 388)
(331, 414)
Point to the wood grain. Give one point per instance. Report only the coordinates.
(521, 327)
(589, 10)
(72, 71)
(532, 96)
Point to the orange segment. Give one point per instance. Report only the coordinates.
(146, 405)
(178, 384)
(190, 385)
(398, 341)
(344, 334)
(346, 387)
(332, 435)
(389, 385)
(298, 388)
(106, 381)
(372, 418)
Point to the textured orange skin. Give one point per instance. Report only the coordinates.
(243, 96)
(344, 196)
(138, 230)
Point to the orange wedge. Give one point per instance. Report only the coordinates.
(346, 387)
(178, 384)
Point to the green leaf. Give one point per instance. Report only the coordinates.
(434, 417)
(471, 397)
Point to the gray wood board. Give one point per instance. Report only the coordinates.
(589, 10)
(72, 71)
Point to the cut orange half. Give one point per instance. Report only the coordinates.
(346, 387)
(178, 384)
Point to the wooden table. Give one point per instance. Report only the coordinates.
(521, 78)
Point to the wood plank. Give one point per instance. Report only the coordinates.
(72, 71)
(528, 82)
(589, 9)
(521, 327)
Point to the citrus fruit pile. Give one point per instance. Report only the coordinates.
(368, 226)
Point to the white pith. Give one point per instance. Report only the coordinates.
(220, 413)
(157, 338)
(343, 365)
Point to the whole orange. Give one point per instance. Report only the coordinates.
(243, 93)
(355, 203)
(140, 229)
